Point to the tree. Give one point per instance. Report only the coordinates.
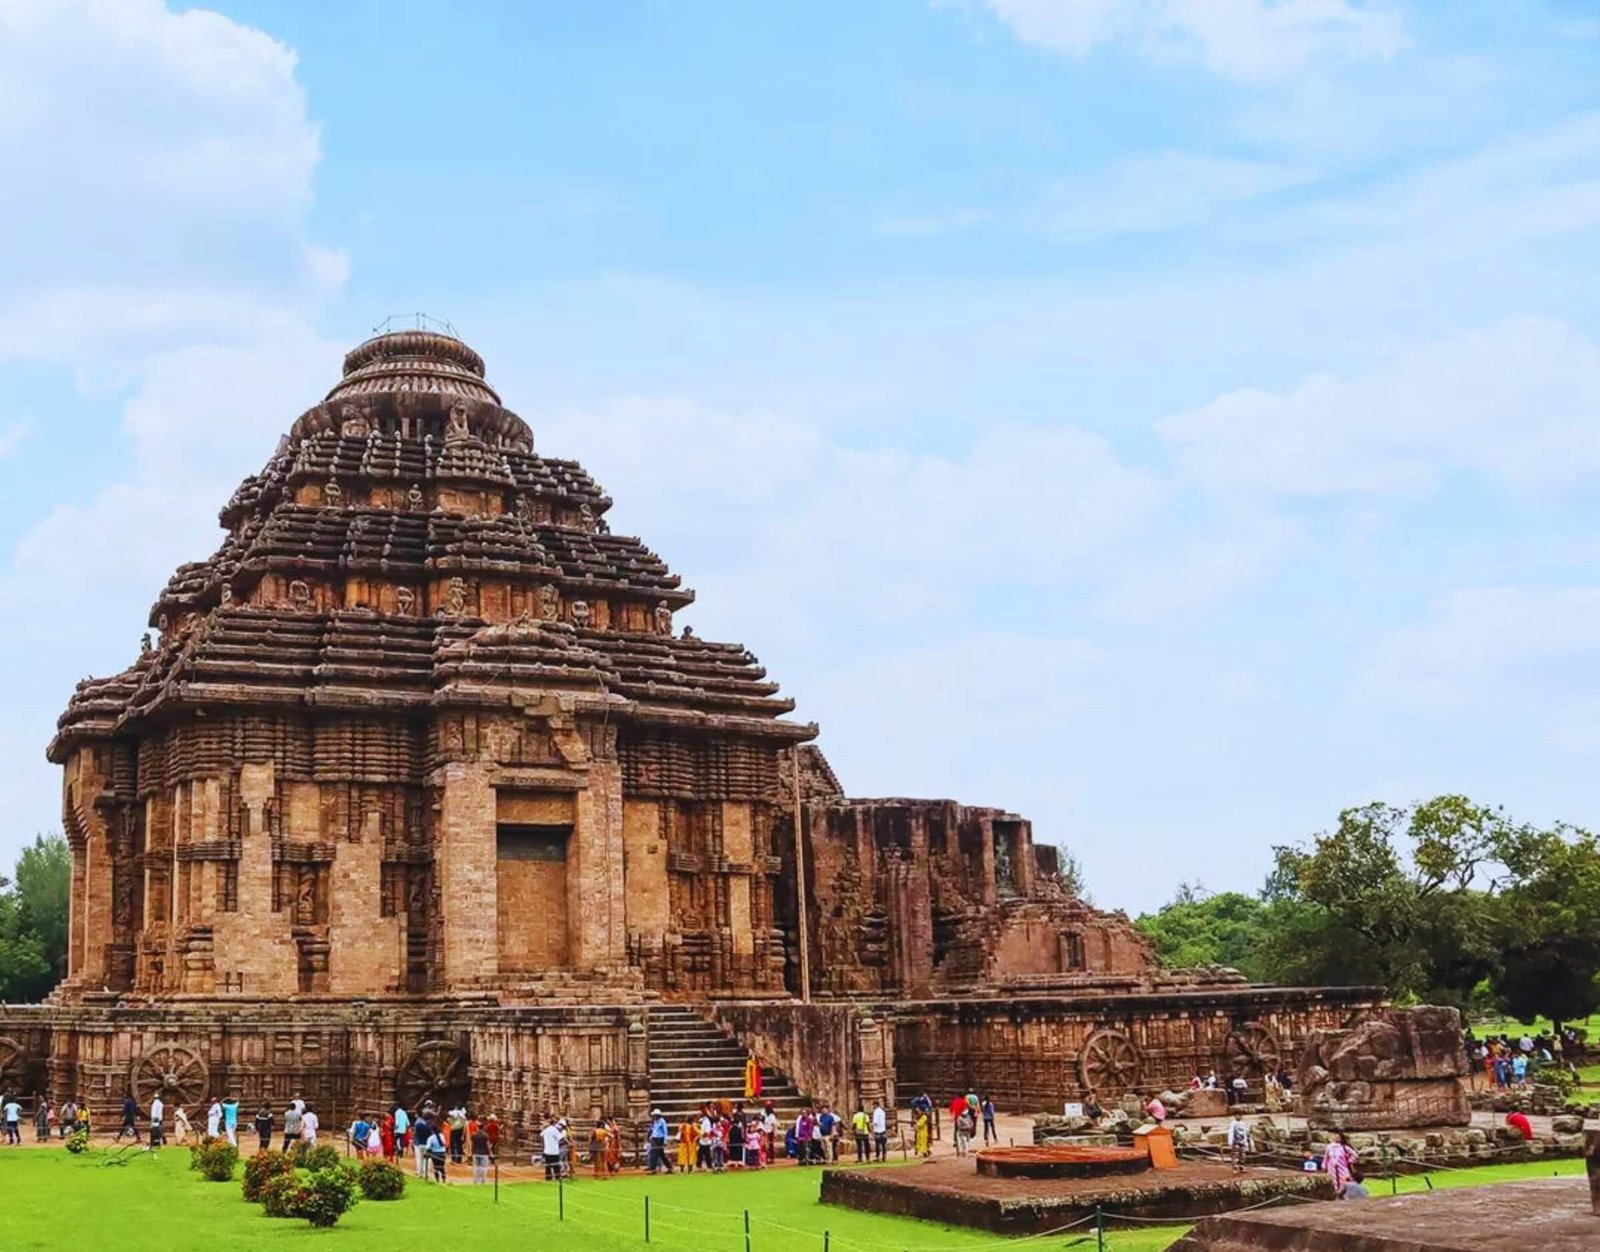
(33, 920)
(1198, 928)
(1546, 924)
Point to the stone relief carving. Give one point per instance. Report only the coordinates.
(405, 600)
(580, 613)
(456, 428)
(300, 593)
(549, 602)
(353, 422)
(455, 597)
(663, 619)
(414, 498)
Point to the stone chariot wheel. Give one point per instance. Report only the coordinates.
(175, 1072)
(1252, 1050)
(438, 1071)
(13, 1067)
(1109, 1062)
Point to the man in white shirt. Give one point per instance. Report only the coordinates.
(158, 1112)
(1238, 1142)
(308, 1128)
(214, 1119)
(551, 1135)
(880, 1131)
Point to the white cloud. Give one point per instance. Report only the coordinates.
(1481, 640)
(1251, 41)
(1517, 403)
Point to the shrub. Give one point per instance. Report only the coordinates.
(323, 1156)
(262, 1168)
(326, 1195)
(382, 1181)
(280, 1195)
(215, 1160)
(78, 1141)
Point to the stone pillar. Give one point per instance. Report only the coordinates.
(465, 860)
(738, 846)
(596, 919)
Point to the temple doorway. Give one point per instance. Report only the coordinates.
(531, 895)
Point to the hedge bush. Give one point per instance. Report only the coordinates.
(323, 1156)
(78, 1141)
(280, 1195)
(382, 1181)
(215, 1159)
(326, 1195)
(261, 1169)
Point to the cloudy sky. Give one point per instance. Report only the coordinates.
(1171, 419)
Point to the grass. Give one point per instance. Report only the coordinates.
(1505, 1026)
(55, 1202)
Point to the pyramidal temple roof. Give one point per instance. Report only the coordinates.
(406, 548)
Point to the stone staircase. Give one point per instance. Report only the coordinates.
(692, 1061)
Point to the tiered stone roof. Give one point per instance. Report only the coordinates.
(406, 547)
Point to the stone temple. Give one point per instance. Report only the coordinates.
(420, 788)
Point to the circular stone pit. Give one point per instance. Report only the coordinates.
(1061, 1161)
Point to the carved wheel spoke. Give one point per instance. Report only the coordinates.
(175, 1072)
(1109, 1062)
(437, 1071)
(13, 1066)
(1252, 1049)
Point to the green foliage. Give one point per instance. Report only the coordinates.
(323, 1156)
(1547, 924)
(1201, 929)
(33, 921)
(280, 1195)
(78, 1142)
(382, 1181)
(214, 1159)
(262, 1168)
(326, 1195)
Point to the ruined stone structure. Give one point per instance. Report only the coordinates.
(1397, 1068)
(421, 788)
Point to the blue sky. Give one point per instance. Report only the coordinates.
(1172, 419)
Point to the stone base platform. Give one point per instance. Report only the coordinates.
(1550, 1214)
(953, 1192)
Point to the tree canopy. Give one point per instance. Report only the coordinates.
(33, 920)
(1446, 901)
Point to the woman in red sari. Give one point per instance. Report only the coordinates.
(386, 1136)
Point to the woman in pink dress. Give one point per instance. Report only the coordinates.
(1337, 1159)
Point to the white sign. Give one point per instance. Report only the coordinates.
(1072, 1110)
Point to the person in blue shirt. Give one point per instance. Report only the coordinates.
(230, 1119)
(359, 1130)
(990, 1134)
(657, 1157)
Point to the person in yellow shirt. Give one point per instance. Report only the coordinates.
(862, 1128)
(921, 1132)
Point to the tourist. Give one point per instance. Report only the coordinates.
(69, 1117)
(1338, 1159)
(827, 1126)
(1238, 1141)
(386, 1141)
(694, 1142)
(44, 1117)
(420, 1131)
(264, 1126)
(358, 1136)
(158, 1116)
(214, 1119)
(1211, 1080)
(230, 1119)
(1518, 1121)
(458, 1133)
(880, 1131)
(1356, 1189)
(718, 1154)
(804, 1127)
(656, 1161)
(752, 1078)
(180, 1124)
(1519, 1070)
(478, 1142)
(597, 1147)
(437, 1152)
(964, 1129)
(81, 1124)
(130, 1120)
(922, 1132)
(769, 1131)
(1156, 1110)
(12, 1112)
(310, 1123)
(491, 1127)
(1238, 1087)
(958, 1106)
(754, 1156)
(613, 1146)
(862, 1128)
(551, 1142)
(402, 1129)
(1091, 1106)
(291, 1124)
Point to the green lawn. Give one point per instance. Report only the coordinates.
(53, 1202)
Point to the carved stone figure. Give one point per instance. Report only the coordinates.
(300, 593)
(332, 492)
(353, 422)
(580, 613)
(586, 516)
(414, 500)
(549, 602)
(663, 619)
(405, 600)
(145, 647)
(456, 427)
(455, 597)
(225, 594)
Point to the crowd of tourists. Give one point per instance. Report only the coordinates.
(1506, 1062)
